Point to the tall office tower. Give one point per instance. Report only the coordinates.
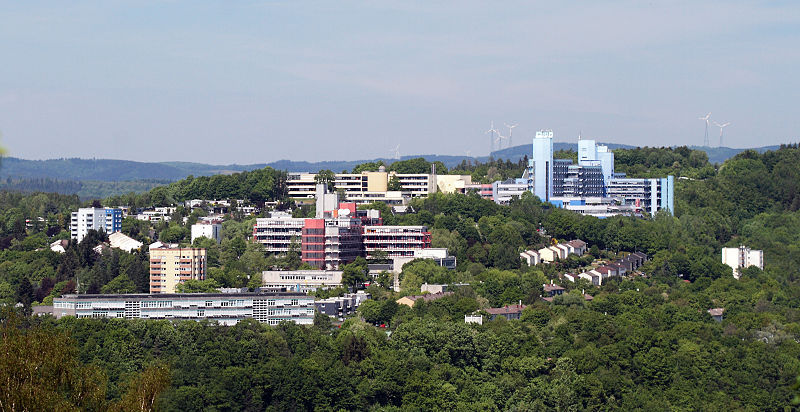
(543, 164)
(96, 218)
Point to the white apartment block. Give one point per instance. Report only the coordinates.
(101, 219)
(225, 308)
(396, 240)
(210, 230)
(278, 231)
(742, 257)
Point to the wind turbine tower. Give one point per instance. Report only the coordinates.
(396, 152)
(491, 133)
(705, 119)
(510, 133)
(721, 126)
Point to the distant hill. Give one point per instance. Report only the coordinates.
(721, 154)
(87, 176)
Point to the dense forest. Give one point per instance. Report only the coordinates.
(646, 342)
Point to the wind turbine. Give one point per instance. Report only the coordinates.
(510, 132)
(491, 132)
(721, 126)
(705, 119)
(396, 152)
(499, 140)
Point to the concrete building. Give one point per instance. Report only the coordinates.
(542, 165)
(171, 265)
(342, 306)
(101, 219)
(357, 185)
(438, 255)
(303, 281)
(570, 186)
(209, 230)
(651, 195)
(396, 241)
(278, 231)
(742, 257)
(329, 243)
(225, 308)
(503, 192)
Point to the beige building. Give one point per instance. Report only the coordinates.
(171, 265)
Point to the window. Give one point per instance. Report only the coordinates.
(295, 302)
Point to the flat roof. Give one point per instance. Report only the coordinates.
(179, 295)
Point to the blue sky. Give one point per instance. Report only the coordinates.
(246, 82)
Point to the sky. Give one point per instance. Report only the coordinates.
(254, 81)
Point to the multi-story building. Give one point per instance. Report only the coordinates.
(101, 219)
(329, 243)
(560, 182)
(541, 165)
(503, 192)
(210, 230)
(651, 195)
(171, 265)
(340, 307)
(396, 240)
(367, 187)
(278, 231)
(301, 280)
(225, 308)
(742, 257)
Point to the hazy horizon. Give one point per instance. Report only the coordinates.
(244, 83)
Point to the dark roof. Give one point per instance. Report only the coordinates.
(576, 243)
(588, 297)
(639, 255)
(551, 287)
(603, 269)
(505, 310)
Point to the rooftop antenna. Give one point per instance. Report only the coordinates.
(491, 132)
(510, 134)
(705, 119)
(721, 126)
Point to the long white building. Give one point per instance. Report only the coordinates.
(225, 308)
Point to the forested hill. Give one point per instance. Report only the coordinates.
(643, 342)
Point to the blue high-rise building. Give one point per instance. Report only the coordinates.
(560, 182)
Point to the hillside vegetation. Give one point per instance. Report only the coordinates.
(646, 342)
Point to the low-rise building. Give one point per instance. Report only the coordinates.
(716, 313)
(509, 312)
(120, 241)
(342, 306)
(209, 230)
(551, 290)
(301, 280)
(531, 257)
(410, 300)
(225, 308)
(504, 191)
